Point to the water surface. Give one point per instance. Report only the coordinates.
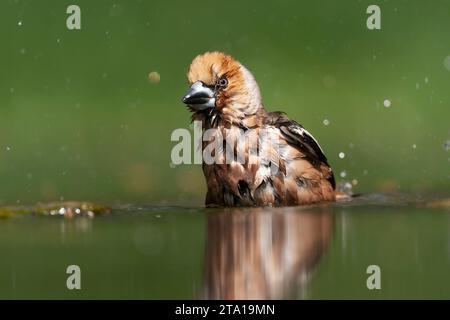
(234, 253)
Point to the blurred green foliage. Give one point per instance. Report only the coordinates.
(79, 118)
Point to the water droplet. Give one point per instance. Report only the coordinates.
(447, 63)
(326, 122)
(447, 145)
(341, 155)
(343, 174)
(154, 77)
(345, 187)
(354, 182)
(19, 23)
(414, 146)
(426, 80)
(8, 148)
(387, 103)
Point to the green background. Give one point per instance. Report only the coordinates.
(79, 118)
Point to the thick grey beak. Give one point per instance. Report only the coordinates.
(199, 96)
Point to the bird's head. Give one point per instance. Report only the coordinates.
(221, 86)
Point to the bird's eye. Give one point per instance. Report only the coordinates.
(223, 82)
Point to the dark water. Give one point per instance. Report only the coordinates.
(174, 252)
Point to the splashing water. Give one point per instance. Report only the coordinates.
(345, 187)
(447, 145)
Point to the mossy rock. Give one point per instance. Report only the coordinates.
(68, 209)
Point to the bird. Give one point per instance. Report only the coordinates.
(280, 163)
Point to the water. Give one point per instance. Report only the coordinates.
(194, 253)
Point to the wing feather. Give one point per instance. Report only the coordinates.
(297, 136)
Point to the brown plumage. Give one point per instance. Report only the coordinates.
(260, 158)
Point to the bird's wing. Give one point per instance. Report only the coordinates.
(298, 137)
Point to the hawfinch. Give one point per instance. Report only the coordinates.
(260, 158)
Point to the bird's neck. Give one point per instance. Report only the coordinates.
(213, 118)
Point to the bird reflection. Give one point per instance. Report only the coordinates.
(264, 253)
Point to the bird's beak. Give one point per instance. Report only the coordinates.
(199, 96)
